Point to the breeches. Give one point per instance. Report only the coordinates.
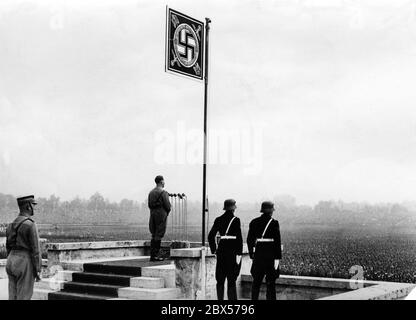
(21, 276)
(259, 269)
(227, 268)
(157, 224)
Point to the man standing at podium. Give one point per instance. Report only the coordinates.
(159, 205)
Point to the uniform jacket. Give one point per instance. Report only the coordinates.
(267, 250)
(26, 238)
(158, 200)
(220, 226)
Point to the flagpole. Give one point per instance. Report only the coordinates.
(204, 165)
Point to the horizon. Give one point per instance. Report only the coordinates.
(275, 199)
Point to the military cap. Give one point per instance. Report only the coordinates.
(267, 205)
(229, 204)
(28, 199)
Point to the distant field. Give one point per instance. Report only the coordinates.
(308, 251)
(335, 253)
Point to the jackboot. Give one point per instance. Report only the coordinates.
(220, 291)
(156, 256)
(153, 250)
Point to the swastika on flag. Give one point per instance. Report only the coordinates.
(184, 45)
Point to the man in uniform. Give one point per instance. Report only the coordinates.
(159, 205)
(264, 247)
(24, 259)
(228, 250)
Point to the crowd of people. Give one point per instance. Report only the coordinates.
(382, 258)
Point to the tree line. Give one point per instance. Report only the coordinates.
(99, 210)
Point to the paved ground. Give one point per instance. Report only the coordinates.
(3, 289)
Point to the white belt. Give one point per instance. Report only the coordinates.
(265, 240)
(228, 237)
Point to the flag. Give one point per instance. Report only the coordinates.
(184, 45)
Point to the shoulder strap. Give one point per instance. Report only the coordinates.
(229, 225)
(265, 229)
(158, 197)
(21, 222)
(160, 194)
(17, 229)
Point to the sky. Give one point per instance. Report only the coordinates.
(318, 95)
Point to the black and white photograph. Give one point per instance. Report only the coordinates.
(218, 152)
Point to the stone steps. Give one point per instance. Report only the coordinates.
(128, 267)
(91, 288)
(105, 269)
(147, 283)
(78, 265)
(101, 278)
(166, 272)
(74, 296)
(123, 294)
(149, 294)
(137, 279)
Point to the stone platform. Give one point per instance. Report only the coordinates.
(121, 270)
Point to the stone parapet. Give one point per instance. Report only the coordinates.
(195, 271)
(62, 254)
(68, 246)
(311, 288)
(319, 282)
(378, 291)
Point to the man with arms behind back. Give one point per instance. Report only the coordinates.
(159, 205)
(264, 247)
